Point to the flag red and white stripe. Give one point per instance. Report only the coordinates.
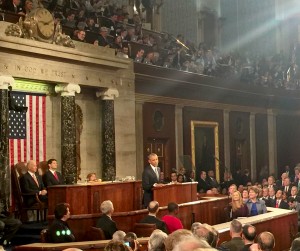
(32, 145)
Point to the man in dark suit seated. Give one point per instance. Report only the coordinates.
(59, 230)
(8, 227)
(236, 242)
(150, 178)
(279, 202)
(203, 186)
(13, 6)
(51, 176)
(153, 209)
(31, 184)
(105, 222)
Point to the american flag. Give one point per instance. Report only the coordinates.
(27, 131)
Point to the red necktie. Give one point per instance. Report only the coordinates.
(277, 205)
(55, 175)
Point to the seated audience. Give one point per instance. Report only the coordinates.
(118, 235)
(91, 177)
(294, 194)
(254, 205)
(180, 178)
(8, 227)
(195, 226)
(103, 38)
(266, 241)
(265, 197)
(131, 240)
(116, 246)
(13, 6)
(79, 36)
(139, 56)
(248, 235)
(28, 6)
(151, 218)
(211, 179)
(156, 241)
(192, 243)
(176, 237)
(171, 220)
(174, 177)
(31, 184)
(295, 245)
(52, 177)
(70, 20)
(105, 222)
(245, 195)
(279, 202)
(236, 242)
(238, 208)
(203, 186)
(59, 230)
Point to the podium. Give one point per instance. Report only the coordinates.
(178, 193)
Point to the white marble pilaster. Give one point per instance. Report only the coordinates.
(252, 146)
(139, 139)
(226, 138)
(6, 81)
(178, 134)
(67, 89)
(272, 141)
(109, 94)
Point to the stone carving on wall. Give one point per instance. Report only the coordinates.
(36, 28)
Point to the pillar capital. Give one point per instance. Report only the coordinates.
(67, 89)
(109, 94)
(5, 81)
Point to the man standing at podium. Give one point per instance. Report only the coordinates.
(150, 178)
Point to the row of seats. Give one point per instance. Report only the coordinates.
(96, 234)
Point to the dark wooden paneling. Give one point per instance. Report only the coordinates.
(239, 131)
(262, 147)
(166, 133)
(288, 138)
(199, 114)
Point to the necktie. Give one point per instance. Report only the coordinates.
(35, 180)
(286, 189)
(55, 175)
(156, 171)
(277, 204)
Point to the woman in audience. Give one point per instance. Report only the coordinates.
(116, 246)
(254, 205)
(180, 178)
(91, 177)
(238, 208)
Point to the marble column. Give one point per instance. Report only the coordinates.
(5, 81)
(68, 131)
(108, 133)
(272, 142)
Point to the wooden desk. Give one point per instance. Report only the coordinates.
(87, 198)
(282, 223)
(179, 193)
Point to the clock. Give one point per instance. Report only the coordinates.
(41, 24)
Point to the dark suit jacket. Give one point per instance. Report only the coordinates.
(235, 244)
(107, 225)
(50, 180)
(153, 220)
(149, 178)
(289, 190)
(282, 205)
(9, 6)
(30, 188)
(59, 225)
(203, 185)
